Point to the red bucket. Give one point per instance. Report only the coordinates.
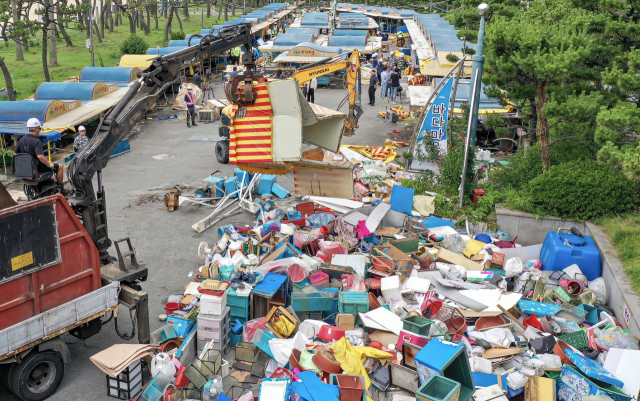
(171, 307)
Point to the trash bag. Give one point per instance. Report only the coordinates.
(543, 345)
(599, 288)
(513, 267)
(319, 219)
(606, 339)
(454, 243)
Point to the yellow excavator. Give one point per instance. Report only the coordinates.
(302, 75)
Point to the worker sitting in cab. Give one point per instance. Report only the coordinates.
(32, 145)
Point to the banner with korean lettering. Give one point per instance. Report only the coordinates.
(435, 126)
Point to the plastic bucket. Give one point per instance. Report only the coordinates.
(382, 265)
(171, 307)
(351, 387)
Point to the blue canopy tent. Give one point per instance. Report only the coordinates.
(164, 50)
(350, 32)
(109, 74)
(83, 91)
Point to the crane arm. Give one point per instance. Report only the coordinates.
(114, 127)
(307, 74)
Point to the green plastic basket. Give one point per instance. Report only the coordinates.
(577, 339)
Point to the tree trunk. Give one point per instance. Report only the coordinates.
(155, 14)
(167, 25)
(19, 54)
(96, 31)
(543, 127)
(53, 52)
(233, 8)
(45, 68)
(177, 14)
(110, 16)
(87, 18)
(8, 81)
(65, 35)
(103, 16)
(226, 11)
(220, 11)
(165, 8)
(132, 22)
(148, 8)
(185, 10)
(208, 8)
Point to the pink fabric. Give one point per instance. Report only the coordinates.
(362, 229)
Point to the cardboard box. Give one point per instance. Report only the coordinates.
(445, 255)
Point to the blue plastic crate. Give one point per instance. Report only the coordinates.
(235, 339)
(231, 185)
(242, 319)
(266, 183)
(318, 301)
(217, 185)
(279, 191)
(353, 302)
(241, 174)
(261, 339)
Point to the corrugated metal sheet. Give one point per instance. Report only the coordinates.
(73, 90)
(109, 74)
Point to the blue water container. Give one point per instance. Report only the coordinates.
(216, 184)
(243, 176)
(561, 250)
(231, 185)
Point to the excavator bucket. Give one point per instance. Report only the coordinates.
(6, 200)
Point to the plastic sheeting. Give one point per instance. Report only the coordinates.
(72, 90)
(164, 50)
(109, 74)
(292, 39)
(347, 41)
(350, 32)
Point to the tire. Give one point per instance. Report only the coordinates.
(222, 151)
(38, 376)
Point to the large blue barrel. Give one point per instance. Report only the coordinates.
(109, 74)
(88, 90)
(164, 50)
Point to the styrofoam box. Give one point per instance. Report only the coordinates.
(225, 368)
(212, 305)
(390, 288)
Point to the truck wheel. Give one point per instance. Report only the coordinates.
(38, 376)
(222, 152)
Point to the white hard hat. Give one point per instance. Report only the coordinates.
(81, 128)
(33, 123)
(189, 87)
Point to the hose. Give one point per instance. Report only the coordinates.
(134, 322)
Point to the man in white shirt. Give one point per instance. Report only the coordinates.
(311, 88)
(384, 81)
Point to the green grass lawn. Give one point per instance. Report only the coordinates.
(625, 235)
(28, 74)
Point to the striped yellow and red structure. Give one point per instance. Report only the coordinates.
(251, 137)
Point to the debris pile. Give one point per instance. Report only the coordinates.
(326, 297)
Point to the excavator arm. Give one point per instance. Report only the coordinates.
(353, 77)
(89, 204)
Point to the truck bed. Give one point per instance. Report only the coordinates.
(58, 320)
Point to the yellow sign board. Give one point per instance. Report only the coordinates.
(21, 261)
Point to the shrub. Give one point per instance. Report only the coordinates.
(452, 58)
(177, 35)
(522, 168)
(134, 44)
(582, 189)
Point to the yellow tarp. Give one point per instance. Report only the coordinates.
(365, 150)
(352, 358)
(141, 61)
(424, 204)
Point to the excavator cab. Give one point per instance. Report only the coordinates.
(36, 184)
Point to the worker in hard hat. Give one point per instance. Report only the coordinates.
(81, 140)
(400, 39)
(190, 101)
(32, 145)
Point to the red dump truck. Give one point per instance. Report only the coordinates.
(50, 284)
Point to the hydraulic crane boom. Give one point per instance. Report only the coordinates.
(89, 204)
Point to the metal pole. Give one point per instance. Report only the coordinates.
(474, 101)
(93, 59)
(476, 69)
